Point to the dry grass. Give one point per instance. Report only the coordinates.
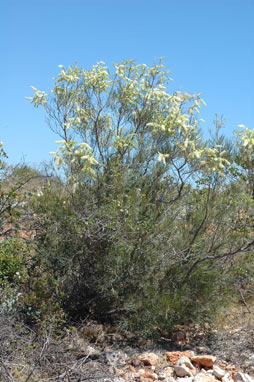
(27, 356)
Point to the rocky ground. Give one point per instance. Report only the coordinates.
(206, 357)
(94, 353)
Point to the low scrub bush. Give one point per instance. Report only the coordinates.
(150, 215)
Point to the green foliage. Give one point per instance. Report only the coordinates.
(13, 259)
(25, 289)
(147, 223)
(39, 304)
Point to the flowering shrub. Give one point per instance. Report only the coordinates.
(145, 226)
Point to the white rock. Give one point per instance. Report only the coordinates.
(242, 377)
(140, 372)
(186, 379)
(204, 377)
(227, 378)
(218, 372)
(166, 375)
(169, 379)
(182, 371)
(186, 362)
(161, 377)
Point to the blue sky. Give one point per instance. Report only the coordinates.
(208, 45)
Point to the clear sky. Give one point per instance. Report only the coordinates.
(208, 45)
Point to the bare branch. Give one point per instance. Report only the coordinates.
(245, 248)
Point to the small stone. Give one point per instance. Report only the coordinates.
(204, 377)
(186, 362)
(227, 377)
(182, 371)
(143, 379)
(168, 371)
(165, 373)
(218, 372)
(174, 356)
(242, 377)
(140, 372)
(186, 379)
(149, 359)
(204, 360)
(150, 375)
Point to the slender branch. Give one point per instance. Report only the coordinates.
(179, 193)
(97, 134)
(202, 222)
(243, 299)
(219, 256)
